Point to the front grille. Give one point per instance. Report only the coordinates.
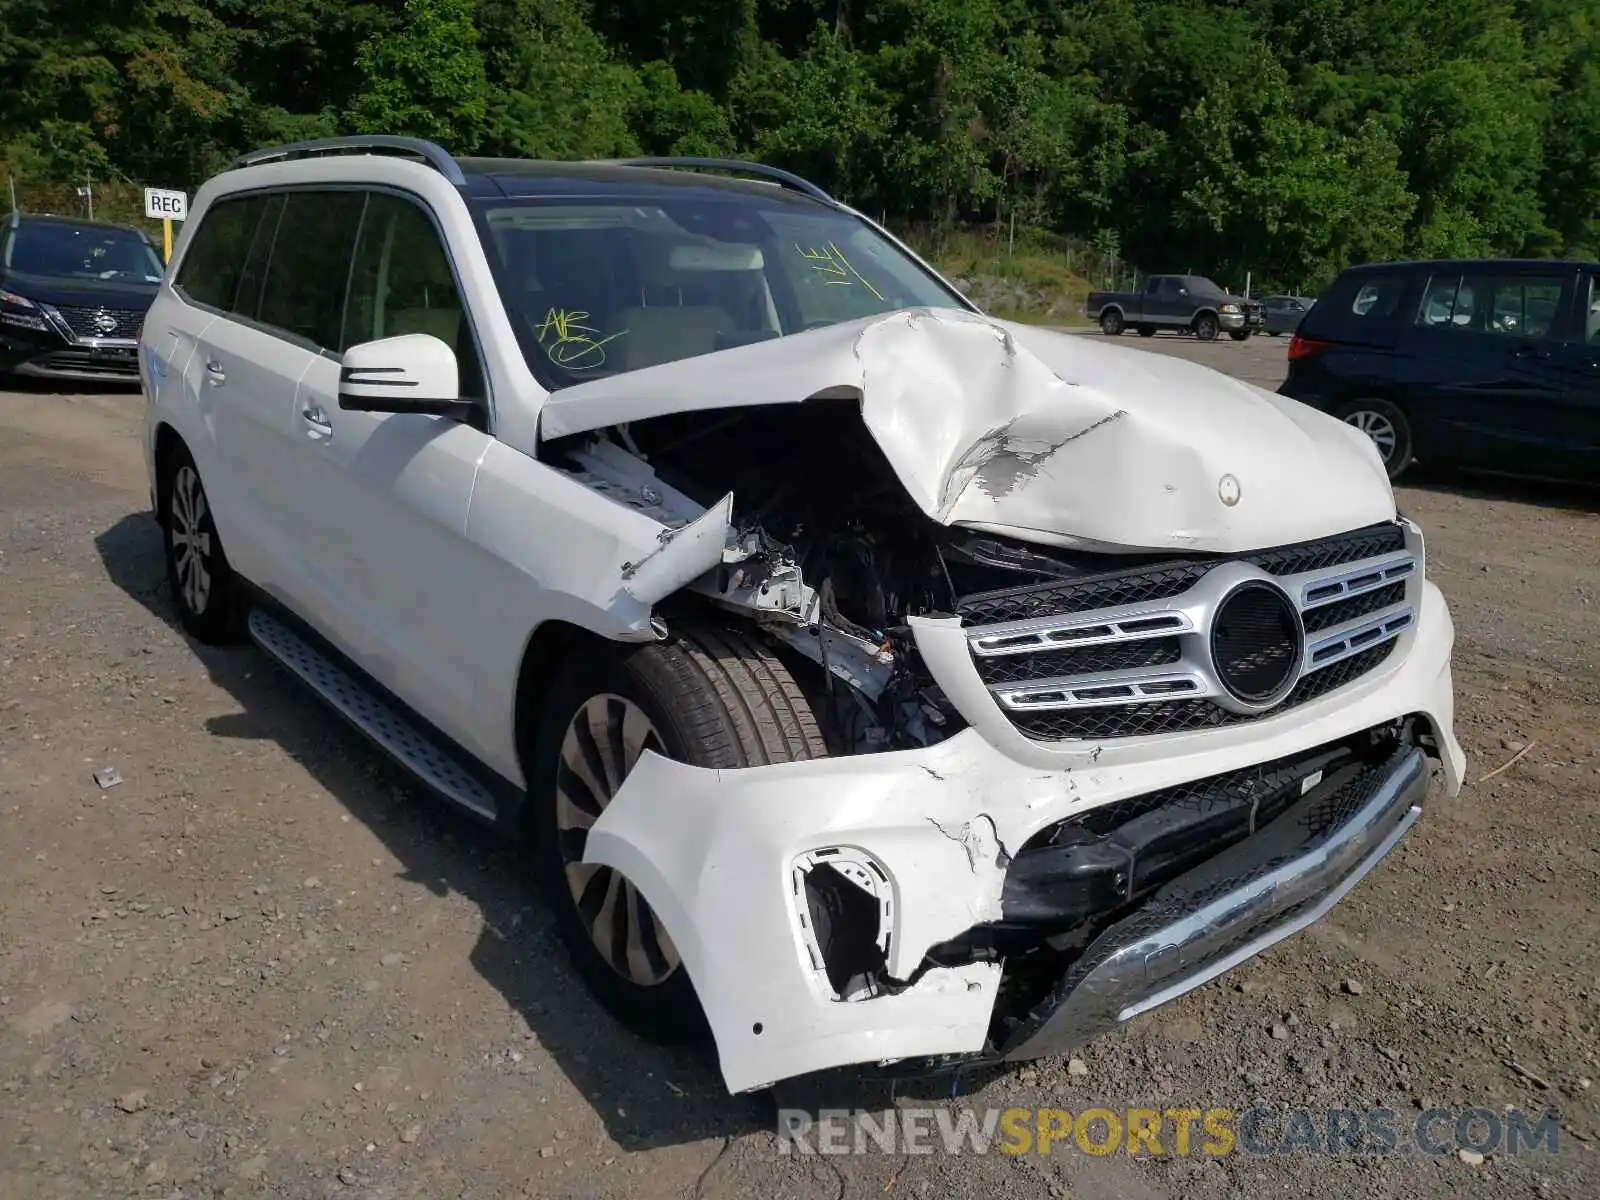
(88, 322)
(1185, 716)
(1170, 647)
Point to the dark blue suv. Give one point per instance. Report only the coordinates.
(1492, 364)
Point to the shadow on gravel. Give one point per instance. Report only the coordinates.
(646, 1095)
(1476, 485)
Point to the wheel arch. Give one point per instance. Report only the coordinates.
(548, 647)
(167, 441)
(1194, 321)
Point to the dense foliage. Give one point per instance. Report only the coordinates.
(1287, 137)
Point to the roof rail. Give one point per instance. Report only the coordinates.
(760, 170)
(434, 155)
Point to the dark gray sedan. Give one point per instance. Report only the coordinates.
(1281, 314)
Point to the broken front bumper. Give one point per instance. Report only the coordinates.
(722, 857)
(1235, 906)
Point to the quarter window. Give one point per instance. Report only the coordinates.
(305, 284)
(1377, 298)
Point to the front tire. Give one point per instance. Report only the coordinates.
(1388, 428)
(1111, 323)
(1147, 330)
(1239, 335)
(711, 695)
(1206, 327)
(203, 585)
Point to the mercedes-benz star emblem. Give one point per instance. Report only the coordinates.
(104, 323)
(1228, 490)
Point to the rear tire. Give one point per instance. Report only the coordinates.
(1111, 323)
(711, 695)
(1387, 426)
(203, 584)
(1206, 327)
(1147, 330)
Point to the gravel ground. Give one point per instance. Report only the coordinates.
(263, 965)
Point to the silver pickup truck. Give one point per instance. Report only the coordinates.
(1179, 303)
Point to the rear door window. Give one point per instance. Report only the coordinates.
(305, 284)
(214, 262)
(1526, 306)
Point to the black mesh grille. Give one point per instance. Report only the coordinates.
(88, 322)
(1078, 660)
(1330, 552)
(1340, 611)
(1179, 716)
(1106, 591)
(1171, 579)
(1261, 784)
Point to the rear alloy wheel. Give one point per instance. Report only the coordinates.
(1388, 428)
(202, 582)
(1111, 323)
(1206, 327)
(711, 695)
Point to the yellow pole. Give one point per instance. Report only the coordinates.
(166, 239)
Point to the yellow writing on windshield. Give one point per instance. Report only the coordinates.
(572, 344)
(829, 260)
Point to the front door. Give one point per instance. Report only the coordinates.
(386, 494)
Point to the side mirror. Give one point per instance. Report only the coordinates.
(412, 373)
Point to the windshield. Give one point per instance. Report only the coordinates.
(602, 287)
(82, 252)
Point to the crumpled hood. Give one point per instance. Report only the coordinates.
(1050, 437)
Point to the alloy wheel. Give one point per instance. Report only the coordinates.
(191, 540)
(1377, 427)
(602, 743)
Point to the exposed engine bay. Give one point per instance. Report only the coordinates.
(826, 549)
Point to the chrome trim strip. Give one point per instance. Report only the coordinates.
(1354, 637)
(1347, 581)
(1092, 691)
(1099, 628)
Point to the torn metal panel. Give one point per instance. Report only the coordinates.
(1046, 436)
(680, 556)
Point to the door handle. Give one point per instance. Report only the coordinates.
(214, 373)
(318, 425)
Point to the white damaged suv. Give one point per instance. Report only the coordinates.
(878, 682)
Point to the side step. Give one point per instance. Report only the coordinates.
(379, 721)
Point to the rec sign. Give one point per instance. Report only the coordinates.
(163, 205)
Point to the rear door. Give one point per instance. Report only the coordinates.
(1482, 375)
(243, 376)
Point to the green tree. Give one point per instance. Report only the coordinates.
(425, 77)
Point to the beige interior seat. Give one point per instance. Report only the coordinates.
(666, 333)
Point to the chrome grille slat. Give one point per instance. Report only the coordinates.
(1108, 626)
(1115, 687)
(1357, 595)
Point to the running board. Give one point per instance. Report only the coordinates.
(393, 733)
